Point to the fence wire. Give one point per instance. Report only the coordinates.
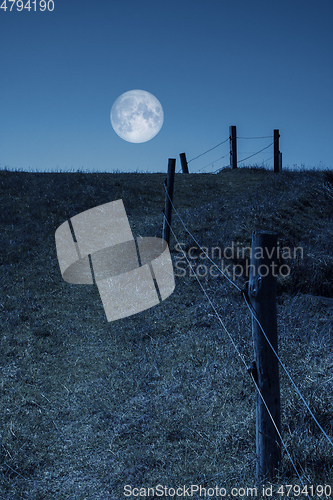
(264, 137)
(195, 240)
(240, 356)
(254, 316)
(208, 150)
(222, 157)
(254, 154)
(256, 319)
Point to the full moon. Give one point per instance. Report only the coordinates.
(137, 116)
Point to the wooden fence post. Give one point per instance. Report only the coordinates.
(262, 294)
(276, 151)
(183, 162)
(280, 162)
(233, 146)
(170, 180)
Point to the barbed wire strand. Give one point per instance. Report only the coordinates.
(264, 137)
(244, 152)
(208, 150)
(211, 163)
(253, 313)
(223, 142)
(240, 161)
(194, 239)
(279, 434)
(268, 159)
(239, 354)
(208, 298)
(242, 291)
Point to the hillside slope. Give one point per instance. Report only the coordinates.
(159, 397)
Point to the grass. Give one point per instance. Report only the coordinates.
(88, 407)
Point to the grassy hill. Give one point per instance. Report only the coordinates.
(161, 397)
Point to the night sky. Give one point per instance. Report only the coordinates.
(259, 65)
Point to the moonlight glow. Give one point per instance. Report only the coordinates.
(137, 116)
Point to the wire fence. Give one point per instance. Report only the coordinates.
(239, 354)
(262, 162)
(208, 150)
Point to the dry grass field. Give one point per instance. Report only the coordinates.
(160, 397)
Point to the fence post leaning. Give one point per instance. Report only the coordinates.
(170, 180)
(183, 162)
(233, 146)
(262, 295)
(276, 151)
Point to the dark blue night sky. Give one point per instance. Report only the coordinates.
(256, 64)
